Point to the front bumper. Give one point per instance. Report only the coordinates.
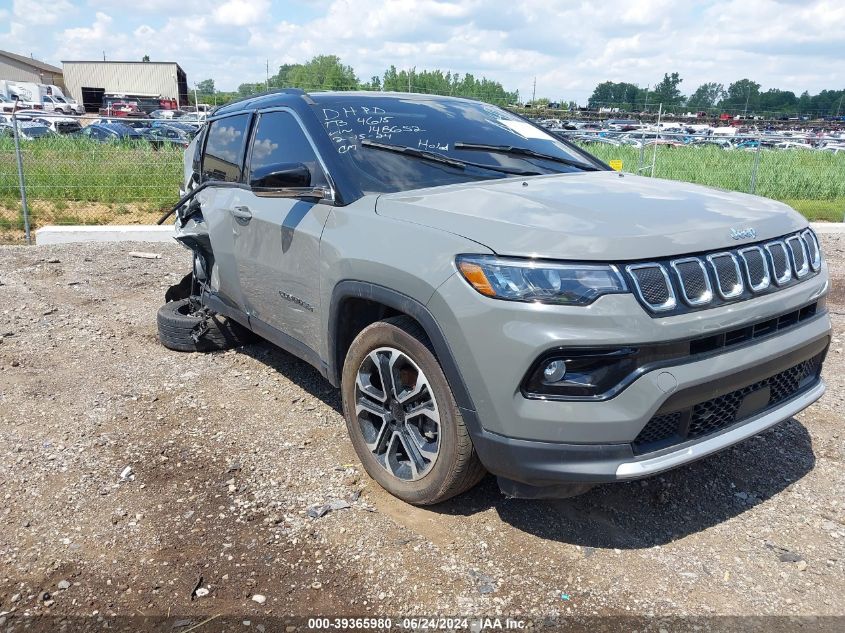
(546, 443)
(546, 464)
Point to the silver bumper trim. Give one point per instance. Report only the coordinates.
(752, 427)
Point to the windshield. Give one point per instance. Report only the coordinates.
(435, 125)
(35, 131)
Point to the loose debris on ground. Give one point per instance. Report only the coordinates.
(141, 481)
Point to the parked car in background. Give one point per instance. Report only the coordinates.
(110, 132)
(55, 103)
(133, 122)
(59, 124)
(26, 104)
(194, 117)
(169, 134)
(189, 128)
(143, 102)
(122, 109)
(6, 104)
(27, 130)
(167, 114)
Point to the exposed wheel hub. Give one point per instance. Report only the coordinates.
(397, 413)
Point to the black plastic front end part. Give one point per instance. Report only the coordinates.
(533, 470)
(542, 464)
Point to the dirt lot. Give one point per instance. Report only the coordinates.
(228, 451)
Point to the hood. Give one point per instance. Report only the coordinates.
(593, 215)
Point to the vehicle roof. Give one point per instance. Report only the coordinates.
(287, 96)
(115, 126)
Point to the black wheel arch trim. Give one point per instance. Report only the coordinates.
(351, 289)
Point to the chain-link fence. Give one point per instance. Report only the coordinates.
(125, 175)
(805, 172)
(79, 179)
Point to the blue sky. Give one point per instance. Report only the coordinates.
(569, 46)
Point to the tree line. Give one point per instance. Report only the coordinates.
(740, 97)
(328, 72)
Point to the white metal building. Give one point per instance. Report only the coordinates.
(25, 69)
(88, 81)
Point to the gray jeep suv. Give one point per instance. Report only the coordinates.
(491, 298)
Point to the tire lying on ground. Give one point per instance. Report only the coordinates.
(177, 323)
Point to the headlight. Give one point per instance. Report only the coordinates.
(531, 280)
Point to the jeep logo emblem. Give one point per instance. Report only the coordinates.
(743, 234)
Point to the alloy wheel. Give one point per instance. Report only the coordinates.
(397, 413)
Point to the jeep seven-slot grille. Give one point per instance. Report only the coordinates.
(715, 414)
(709, 280)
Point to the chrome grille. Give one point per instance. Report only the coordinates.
(695, 283)
(780, 262)
(756, 268)
(813, 251)
(651, 281)
(798, 250)
(709, 279)
(728, 276)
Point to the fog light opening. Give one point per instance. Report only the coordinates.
(554, 371)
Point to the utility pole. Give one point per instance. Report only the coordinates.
(534, 91)
(268, 74)
(409, 79)
(747, 97)
(104, 55)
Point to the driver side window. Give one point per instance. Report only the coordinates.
(279, 139)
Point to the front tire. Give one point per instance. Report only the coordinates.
(178, 325)
(402, 417)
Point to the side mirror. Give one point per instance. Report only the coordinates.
(281, 176)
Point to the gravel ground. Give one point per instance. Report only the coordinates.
(139, 482)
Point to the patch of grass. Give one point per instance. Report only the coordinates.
(74, 169)
(76, 180)
(820, 210)
(782, 174)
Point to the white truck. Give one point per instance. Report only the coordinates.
(26, 94)
(45, 97)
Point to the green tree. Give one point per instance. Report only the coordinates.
(206, 87)
(743, 96)
(706, 96)
(667, 91)
(145, 58)
(323, 72)
(250, 89)
(622, 95)
(775, 101)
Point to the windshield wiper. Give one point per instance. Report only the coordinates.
(524, 151)
(442, 159)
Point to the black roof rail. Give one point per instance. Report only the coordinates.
(266, 93)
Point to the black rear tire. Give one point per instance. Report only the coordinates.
(177, 322)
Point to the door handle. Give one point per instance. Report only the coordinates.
(241, 213)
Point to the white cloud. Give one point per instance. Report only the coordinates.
(242, 12)
(569, 46)
(39, 12)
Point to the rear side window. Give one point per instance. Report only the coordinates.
(279, 139)
(224, 149)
